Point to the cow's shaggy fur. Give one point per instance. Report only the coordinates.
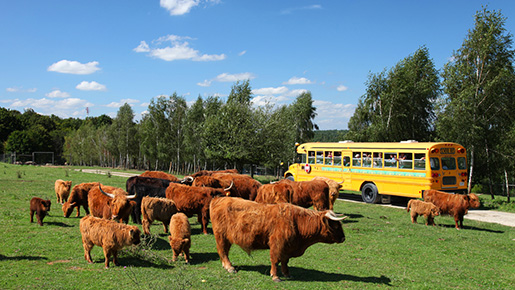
(180, 236)
(334, 189)
(309, 193)
(286, 229)
(427, 209)
(40, 207)
(78, 198)
(62, 190)
(275, 193)
(456, 205)
(109, 235)
(159, 174)
(157, 209)
(102, 206)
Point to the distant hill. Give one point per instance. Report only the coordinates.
(329, 135)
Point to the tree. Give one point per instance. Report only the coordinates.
(398, 105)
(303, 113)
(193, 128)
(123, 136)
(478, 82)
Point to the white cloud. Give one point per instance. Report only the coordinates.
(91, 86)
(225, 77)
(74, 67)
(270, 91)
(297, 81)
(178, 50)
(20, 90)
(310, 7)
(331, 115)
(242, 53)
(205, 83)
(341, 88)
(142, 47)
(122, 102)
(57, 94)
(181, 7)
(296, 93)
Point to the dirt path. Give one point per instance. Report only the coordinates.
(104, 172)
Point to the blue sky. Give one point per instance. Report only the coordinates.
(59, 57)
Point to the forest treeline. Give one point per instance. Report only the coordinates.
(470, 101)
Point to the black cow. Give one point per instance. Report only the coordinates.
(145, 186)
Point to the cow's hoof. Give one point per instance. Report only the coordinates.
(276, 279)
(231, 270)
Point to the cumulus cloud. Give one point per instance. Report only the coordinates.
(341, 88)
(270, 91)
(179, 49)
(64, 108)
(297, 81)
(181, 7)
(91, 86)
(275, 96)
(226, 77)
(20, 90)
(122, 102)
(74, 67)
(332, 115)
(57, 94)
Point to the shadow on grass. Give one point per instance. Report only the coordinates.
(30, 258)
(59, 224)
(309, 275)
(465, 227)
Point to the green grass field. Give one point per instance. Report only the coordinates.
(382, 250)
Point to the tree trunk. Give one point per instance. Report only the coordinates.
(507, 185)
(471, 169)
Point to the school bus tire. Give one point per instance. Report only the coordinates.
(369, 193)
(290, 177)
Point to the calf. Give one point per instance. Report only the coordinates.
(157, 209)
(286, 229)
(456, 205)
(41, 207)
(109, 235)
(180, 236)
(62, 190)
(78, 198)
(427, 209)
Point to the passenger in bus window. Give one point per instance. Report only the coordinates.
(367, 159)
(405, 160)
(390, 160)
(378, 159)
(420, 161)
(328, 158)
(320, 157)
(337, 158)
(311, 157)
(356, 161)
(435, 163)
(346, 161)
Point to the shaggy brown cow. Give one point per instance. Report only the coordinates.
(109, 235)
(211, 172)
(192, 200)
(456, 205)
(427, 209)
(156, 209)
(78, 198)
(244, 186)
(159, 174)
(62, 190)
(286, 229)
(113, 203)
(180, 236)
(309, 193)
(41, 207)
(334, 189)
(275, 193)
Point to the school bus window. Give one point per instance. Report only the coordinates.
(435, 163)
(420, 161)
(346, 161)
(406, 160)
(390, 160)
(367, 159)
(378, 160)
(448, 163)
(338, 158)
(328, 158)
(301, 158)
(462, 163)
(320, 157)
(311, 157)
(356, 161)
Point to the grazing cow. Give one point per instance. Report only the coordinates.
(145, 186)
(180, 236)
(109, 235)
(192, 200)
(309, 193)
(62, 190)
(427, 209)
(113, 204)
(157, 209)
(159, 174)
(41, 207)
(286, 229)
(334, 189)
(78, 198)
(244, 186)
(456, 205)
(275, 193)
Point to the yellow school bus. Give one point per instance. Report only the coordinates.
(381, 170)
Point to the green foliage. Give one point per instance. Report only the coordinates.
(383, 249)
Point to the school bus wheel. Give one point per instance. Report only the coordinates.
(369, 193)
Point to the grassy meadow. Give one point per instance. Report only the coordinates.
(382, 250)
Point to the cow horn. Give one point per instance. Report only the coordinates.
(133, 196)
(331, 215)
(187, 179)
(228, 188)
(108, 194)
(341, 182)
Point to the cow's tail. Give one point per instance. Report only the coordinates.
(409, 205)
